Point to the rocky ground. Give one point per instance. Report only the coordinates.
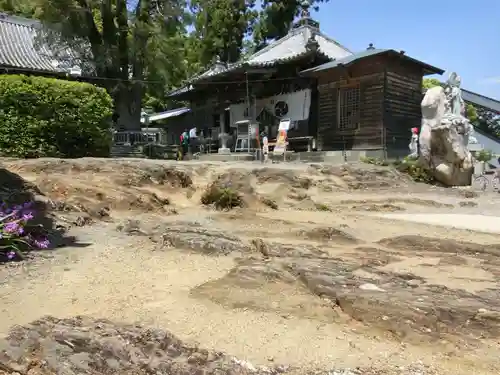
(304, 276)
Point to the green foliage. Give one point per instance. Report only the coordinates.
(269, 203)
(374, 161)
(49, 117)
(428, 83)
(322, 207)
(220, 28)
(17, 234)
(415, 170)
(484, 155)
(223, 198)
(409, 166)
(130, 43)
(488, 121)
(276, 17)
(23, 8)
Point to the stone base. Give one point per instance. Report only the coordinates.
(231, 157)
(224, 151)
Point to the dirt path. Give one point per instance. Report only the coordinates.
(120, 278)
(480, 223)
(125, 278)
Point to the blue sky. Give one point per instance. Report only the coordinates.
(456, 36)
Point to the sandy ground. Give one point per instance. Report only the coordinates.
(480, 223)
(111, 274)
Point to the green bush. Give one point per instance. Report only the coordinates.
(415, 170)
(374, 161)
(223, 198)
(50, 117)
(484, 155)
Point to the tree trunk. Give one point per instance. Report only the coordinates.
(127, 99)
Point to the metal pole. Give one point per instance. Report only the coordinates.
(248, 111)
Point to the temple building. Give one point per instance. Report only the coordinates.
(336, 99)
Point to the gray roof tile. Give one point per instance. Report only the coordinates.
(294, 44)
(19, 49)
(291, 46)
(481, 101)
(367, 53)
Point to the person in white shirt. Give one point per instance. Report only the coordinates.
(193, 141)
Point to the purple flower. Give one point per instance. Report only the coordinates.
(11, 255)
(27, 216)
(41, 244)
(11, 227)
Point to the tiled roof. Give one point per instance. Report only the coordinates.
(290, 47)
(19, 49)
(367, 53)
(481, 101)
(294, 45)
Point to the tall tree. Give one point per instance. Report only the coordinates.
(23, 8)
(276, 18)
(220, 28)
(113, 37)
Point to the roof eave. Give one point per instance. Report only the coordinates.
(427, 69)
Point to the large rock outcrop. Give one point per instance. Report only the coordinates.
(84, 345)
(444, 135)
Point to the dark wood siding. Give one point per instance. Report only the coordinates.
(402, 103)
(369, 133)
(390, 89)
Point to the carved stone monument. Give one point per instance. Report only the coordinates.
(224, 137)
(444, 135)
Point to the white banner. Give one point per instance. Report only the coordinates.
(294, 106)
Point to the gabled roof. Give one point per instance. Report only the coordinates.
(290, 47)
(353, 58)
(19, 49)
(294, 45)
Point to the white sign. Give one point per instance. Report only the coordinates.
(297, 107)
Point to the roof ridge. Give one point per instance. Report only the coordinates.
(19, 21)
(323, 35)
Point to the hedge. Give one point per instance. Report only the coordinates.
(49, 117)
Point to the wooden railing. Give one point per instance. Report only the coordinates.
(136, 138)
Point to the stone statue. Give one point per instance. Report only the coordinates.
(444, 135)
(454, 95)
(223, 149)
(413, 146)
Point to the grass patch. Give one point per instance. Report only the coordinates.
(269, 203)
(322, 207)
(221, 198)
(412, 167)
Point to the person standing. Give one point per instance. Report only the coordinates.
(184, 144)
(193, 140)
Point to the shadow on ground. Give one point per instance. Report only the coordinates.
(14, 190)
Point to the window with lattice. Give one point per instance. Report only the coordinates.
(348, 108)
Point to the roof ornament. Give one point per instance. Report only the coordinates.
(218, 64)
(305, 16)
(370, 47)
(305, 5)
